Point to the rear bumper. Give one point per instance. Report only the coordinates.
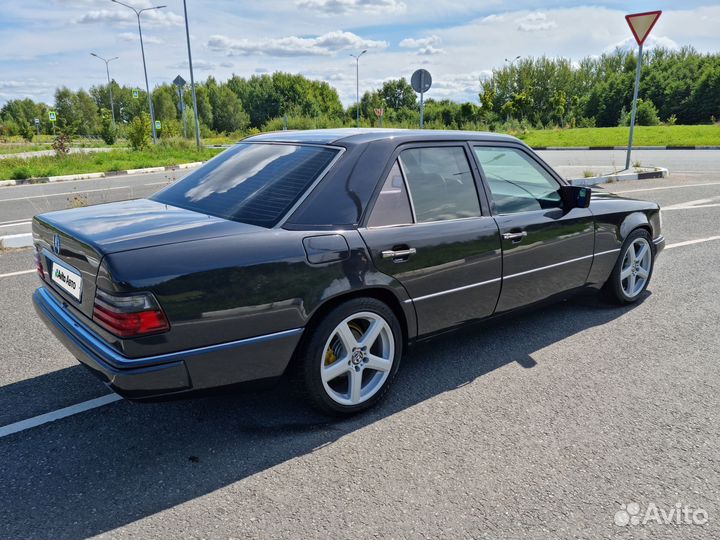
(256, 358)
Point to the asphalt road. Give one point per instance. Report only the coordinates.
(537, 426)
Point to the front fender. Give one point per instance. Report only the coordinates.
(632, 222)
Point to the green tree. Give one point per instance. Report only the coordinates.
(139, 132)
(398, 94)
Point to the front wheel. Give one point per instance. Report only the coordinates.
(351, 356)
(633, 270)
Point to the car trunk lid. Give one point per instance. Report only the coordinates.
(73, 242)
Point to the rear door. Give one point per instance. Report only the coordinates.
(427, 229)
(546, 250)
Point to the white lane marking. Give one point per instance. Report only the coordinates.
(699, 207)
(666, 187)
(691, 242)
(36, 421)
(16, 224)
(78, 192)
(20, 273)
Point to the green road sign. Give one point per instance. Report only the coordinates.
(136, 93)
(52, 115)
(157, 124)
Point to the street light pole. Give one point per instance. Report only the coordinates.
(142, 50)
(192, 78)
(357, 84)
(107, 70)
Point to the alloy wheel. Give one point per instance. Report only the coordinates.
(357, 358)
(636, 266)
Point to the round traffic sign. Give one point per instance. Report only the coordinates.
(421, 81)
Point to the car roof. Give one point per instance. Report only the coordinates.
(366, 135)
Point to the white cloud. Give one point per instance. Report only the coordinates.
(425, 46)
(534, 22)
(334, 7)
(324, 45)
(652, 42)
(198, 65)
(412, 43)
(123, 16)
(134, 36)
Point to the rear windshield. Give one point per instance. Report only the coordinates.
(250, 182)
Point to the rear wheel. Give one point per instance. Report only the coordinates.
(634, 267)
(351, 356)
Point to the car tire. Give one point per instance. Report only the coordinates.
(349, 358)
(633, 269)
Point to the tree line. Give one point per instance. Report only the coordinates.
(677, 86)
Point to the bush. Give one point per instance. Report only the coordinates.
(108, 129)
(138, 132)
(647, 114)
(21, 173)
(170, 129)
(61, 144)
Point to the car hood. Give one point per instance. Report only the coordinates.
(142, 223)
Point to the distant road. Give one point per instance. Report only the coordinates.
(38, 153)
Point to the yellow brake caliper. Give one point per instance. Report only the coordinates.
(330, 356)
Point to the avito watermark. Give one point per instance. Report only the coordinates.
(632, 514)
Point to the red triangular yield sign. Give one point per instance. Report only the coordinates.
(642, 23)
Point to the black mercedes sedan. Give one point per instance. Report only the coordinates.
(325, 254)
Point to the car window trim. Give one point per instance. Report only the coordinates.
(461, 143)
(522, 148)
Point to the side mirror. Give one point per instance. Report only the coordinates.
(575, 197)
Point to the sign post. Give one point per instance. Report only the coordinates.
(640, 26)
(380, 113)
(421, 82)
(52, 116)
(180, 83)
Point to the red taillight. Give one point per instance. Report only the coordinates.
(39, 265)
(129, 316)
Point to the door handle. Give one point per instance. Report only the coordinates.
(514, 236)
(398, 253)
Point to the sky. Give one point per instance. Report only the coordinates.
(47, 43)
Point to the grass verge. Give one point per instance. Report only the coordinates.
(705, 135)
(115, 160)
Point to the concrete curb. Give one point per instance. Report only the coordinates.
(89, 176)
(625, 147)
(16, 241)
(659, 172)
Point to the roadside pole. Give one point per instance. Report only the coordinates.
(640, 26)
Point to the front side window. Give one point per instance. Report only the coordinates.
(440, 183)
(392, 206)
(517, 182)
(250, 182)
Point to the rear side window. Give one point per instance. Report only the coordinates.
(250, 182)
(440, 183)
(392, 206)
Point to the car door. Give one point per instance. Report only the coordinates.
(546, 249)
(426, 229)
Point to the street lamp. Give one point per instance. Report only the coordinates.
(107, 70)
(142, 50)
(192, 79)
(357, 84)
